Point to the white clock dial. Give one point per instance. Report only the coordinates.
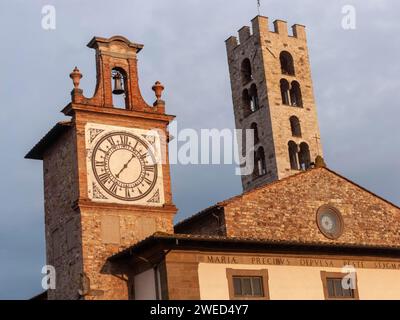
(123, 165)
(330, 221)
(327, 222)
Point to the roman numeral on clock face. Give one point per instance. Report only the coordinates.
(124, 140)
(149, 168)
(114, 188)
(111, 141)
(104, 177)
(100, 163)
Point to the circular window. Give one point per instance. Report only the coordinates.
(330, 222)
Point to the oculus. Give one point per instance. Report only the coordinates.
(330, 222)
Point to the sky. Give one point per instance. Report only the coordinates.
(355, 75)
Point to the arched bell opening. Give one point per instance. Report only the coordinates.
(119, 82)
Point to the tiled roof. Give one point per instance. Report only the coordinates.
(36, 152)
(184, 240)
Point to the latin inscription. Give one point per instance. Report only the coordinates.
(296, 261)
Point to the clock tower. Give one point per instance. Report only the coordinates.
(106, 176)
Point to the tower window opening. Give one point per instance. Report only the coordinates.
(254, 104)
(119, 91)
(292, 147)
(295, 95)
(285, 92)
(254, 127)
(295, 126)
(246, 73)
(287, 64)
(246, 103)
(260, 168)
(304, 156)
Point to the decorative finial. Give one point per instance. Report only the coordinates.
(320, 162)
(76, 76)
(158, 89)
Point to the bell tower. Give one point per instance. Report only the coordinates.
(272, 95)
(106, 176)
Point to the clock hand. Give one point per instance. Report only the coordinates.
(124, 167)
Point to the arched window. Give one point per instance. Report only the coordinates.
(259, 162)
(246, 73)
(246, 103)
(254, 105)
(119, 89)
(295, 95)
(292, 148)
(285, 92)
(255, 129)
(287, 65)
(295, 126)
(304, 156)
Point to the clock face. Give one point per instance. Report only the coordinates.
(123, 165)
(329, 222)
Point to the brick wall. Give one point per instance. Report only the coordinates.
(286, 210)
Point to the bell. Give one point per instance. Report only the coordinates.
(118, 89)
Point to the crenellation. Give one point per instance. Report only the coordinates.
(280, 27)
(260, 26)
(244, 34)
(299, 31)
(231, 43)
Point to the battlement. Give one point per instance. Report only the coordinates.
(260, 28)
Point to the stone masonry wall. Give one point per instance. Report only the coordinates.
(62, 223)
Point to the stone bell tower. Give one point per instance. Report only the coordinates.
(106, 176)
(272, 94)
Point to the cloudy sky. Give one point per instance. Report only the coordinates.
(355, 75)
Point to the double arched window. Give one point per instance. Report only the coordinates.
(291, 94)
(304, 156)
(299, 156)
